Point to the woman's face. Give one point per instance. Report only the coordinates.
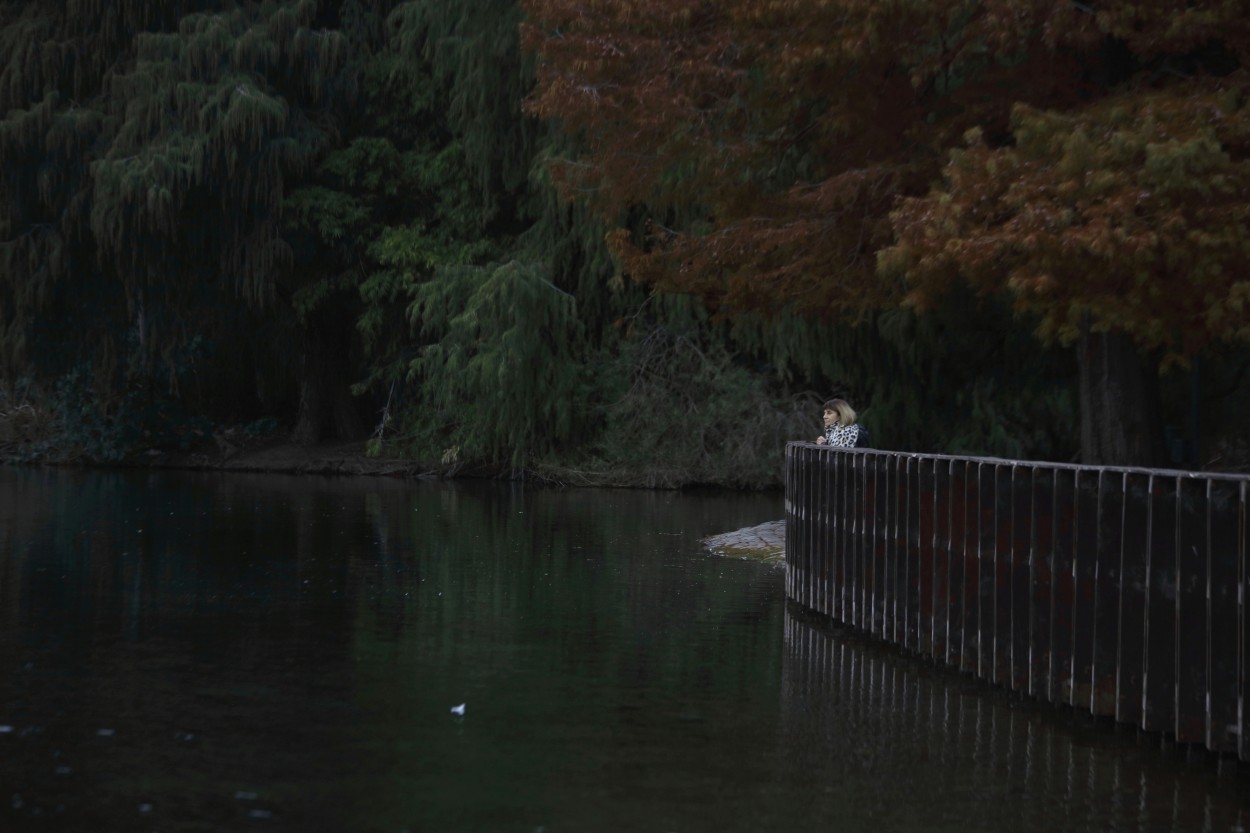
(830, 418)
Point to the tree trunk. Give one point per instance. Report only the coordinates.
(327, 410)
(1121, 420)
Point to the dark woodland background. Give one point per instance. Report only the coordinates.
(630, 242)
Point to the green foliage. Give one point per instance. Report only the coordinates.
(261, 427)
(500, 374)
(415, 207)
(687, 412)
(928, 383)
(103, 430)
(148, 147)
(268, 178)
(333, 215)
(473, 52)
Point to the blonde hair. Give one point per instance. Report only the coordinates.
(842, 410)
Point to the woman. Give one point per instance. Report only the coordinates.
(841, 429)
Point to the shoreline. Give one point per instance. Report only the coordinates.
(269, 457)
(349, 459)
(282, 457)
(231, 452)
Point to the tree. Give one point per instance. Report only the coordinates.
(157, 142)
(474, 343)
(768, 144)
(766, 141)
(1119, 226)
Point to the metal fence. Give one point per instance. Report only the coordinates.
(900, 722)
(1121, 591)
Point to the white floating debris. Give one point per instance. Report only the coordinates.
(259, 814)
(105, 733)
(459, 710)
(4, 730)
(145, 808)
(243, 795)
(63, 770)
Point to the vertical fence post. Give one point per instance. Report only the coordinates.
(1004, 573)
(1243, 627)
(1159, 661)
(1223, 521)
(847, 537)
(1041, 581)
(1134, 561)
(1019, 542)
(970, 647)
(1107, 556)
(1192, 640)
(945, 581)
(913, 584)
(1084, 569)
(855, 580)
(926, 543)
(791, 549)
(1062, 596)
(895, 538)
(820, 517)
(883, 556)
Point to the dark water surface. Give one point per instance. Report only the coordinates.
(197, 652)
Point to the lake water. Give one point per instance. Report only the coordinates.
(207, 652)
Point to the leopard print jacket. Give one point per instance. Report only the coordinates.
(846, 436)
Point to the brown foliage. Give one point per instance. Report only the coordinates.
(1129, 215)
(766, 144)
(768, 140)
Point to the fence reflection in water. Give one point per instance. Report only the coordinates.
(863, 714)
(1120, 591)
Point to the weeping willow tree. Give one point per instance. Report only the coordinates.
(489, 362)
(56, 61)
(149, 146)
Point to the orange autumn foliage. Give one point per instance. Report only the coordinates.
(766, 141)
(1131, 215)
(764, 146)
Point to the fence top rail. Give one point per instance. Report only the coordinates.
(1034, 464)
